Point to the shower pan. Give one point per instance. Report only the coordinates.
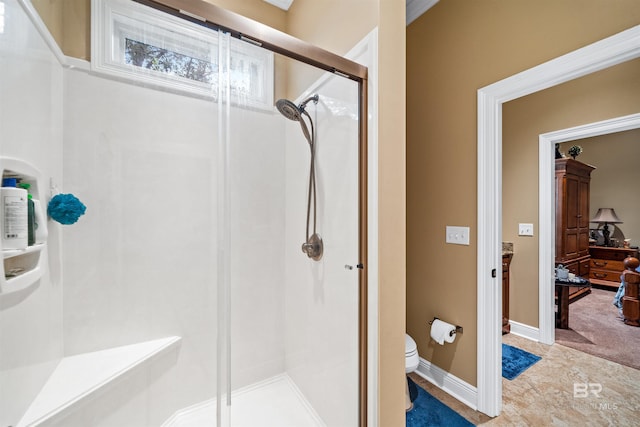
(181, 298)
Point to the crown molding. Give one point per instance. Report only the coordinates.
(415, 8)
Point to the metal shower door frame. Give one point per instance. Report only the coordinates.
(209, 15)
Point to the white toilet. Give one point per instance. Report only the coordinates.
(411, 362)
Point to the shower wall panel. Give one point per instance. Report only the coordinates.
(142, 264)
(30, 130)
(321, 298)
(257, 176)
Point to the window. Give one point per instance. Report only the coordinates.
(1, 17)
(135, 42)
(163, 60)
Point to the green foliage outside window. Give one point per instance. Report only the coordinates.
(158, 59)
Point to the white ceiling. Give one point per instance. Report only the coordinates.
(415, 8)
(282, 4)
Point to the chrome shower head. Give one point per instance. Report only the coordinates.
(292, 111)
(289, 110)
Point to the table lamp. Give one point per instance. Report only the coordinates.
(606, 216)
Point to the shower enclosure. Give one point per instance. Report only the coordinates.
(188, 294)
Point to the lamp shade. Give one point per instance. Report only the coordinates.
(606, 215)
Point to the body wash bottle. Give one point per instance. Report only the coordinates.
(31, 215)
(13, 209)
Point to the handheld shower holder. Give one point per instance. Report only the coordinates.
(313, 247)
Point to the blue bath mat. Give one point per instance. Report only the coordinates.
(516, 361)
(428, 411)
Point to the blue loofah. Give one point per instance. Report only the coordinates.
(65, 208)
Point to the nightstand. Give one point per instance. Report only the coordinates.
(606, 265)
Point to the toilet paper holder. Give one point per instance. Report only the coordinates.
(458, 328)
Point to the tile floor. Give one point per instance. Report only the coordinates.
(543, 395)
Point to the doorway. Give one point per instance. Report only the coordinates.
(614, 50)
(547, 143)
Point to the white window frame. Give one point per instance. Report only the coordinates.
(114, 21)
(2, 8)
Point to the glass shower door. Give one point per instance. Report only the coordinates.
(291, 353)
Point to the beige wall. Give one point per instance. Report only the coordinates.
(392, 91)
(610, 93)
(51, 13)
(76, 28)
(308, 20)
(453, 50)
(68, 21)
(616, 181)
(257, 10)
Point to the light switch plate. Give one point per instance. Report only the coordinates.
(525, 229)
(457, 235)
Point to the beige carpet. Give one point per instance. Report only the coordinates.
(595, 327)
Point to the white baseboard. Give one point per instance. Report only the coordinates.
(457, 388)
(452, 385)
(525, 331)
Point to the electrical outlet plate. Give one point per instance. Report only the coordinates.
(525, 229)
(457, 235)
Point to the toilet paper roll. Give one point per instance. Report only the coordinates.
(442, 331)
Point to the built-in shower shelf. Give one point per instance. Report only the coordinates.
(22, 268)
(10, 253)
(81, 377)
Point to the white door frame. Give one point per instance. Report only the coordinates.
(547, 204)
(605, 53)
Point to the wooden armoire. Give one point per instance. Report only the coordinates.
(573, 179)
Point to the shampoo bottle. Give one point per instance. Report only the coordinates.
(31, 215)
(13, 212)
